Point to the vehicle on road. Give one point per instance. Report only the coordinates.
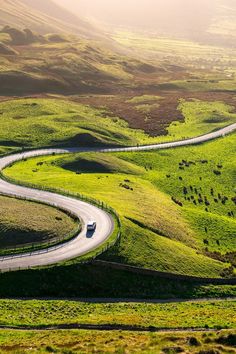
(91, 226)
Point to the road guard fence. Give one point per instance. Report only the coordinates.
(49, 248)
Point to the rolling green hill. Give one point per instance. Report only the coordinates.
(54, 122)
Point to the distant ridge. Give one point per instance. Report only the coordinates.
(206, 21)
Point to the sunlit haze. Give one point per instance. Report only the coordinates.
(147, 13)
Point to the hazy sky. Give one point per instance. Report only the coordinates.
(186, 14)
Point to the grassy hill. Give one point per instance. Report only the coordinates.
(152, 188)
(55, 121)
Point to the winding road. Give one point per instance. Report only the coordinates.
(82, 243)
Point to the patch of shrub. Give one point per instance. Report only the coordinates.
(193, 341)
(50, 349)
(229, 340)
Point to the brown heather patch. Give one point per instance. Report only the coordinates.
(159, 118)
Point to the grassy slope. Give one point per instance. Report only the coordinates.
(148, 240)
(221, 85)
(141, 246)
(25, 222)
(160, 164)
(205, 71)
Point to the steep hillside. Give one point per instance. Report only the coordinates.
(43, 16)
(32, 64)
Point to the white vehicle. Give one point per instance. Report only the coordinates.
(91, 226)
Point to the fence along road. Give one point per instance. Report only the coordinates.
(82, 244)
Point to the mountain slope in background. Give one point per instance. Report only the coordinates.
(44, 16)
(33, 60)
(212, 21)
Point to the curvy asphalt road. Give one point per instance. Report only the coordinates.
(83, 243)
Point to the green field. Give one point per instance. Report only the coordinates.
(24, 223)
(136, 185)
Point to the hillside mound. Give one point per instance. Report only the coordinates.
(22, 37)
(98, 163)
